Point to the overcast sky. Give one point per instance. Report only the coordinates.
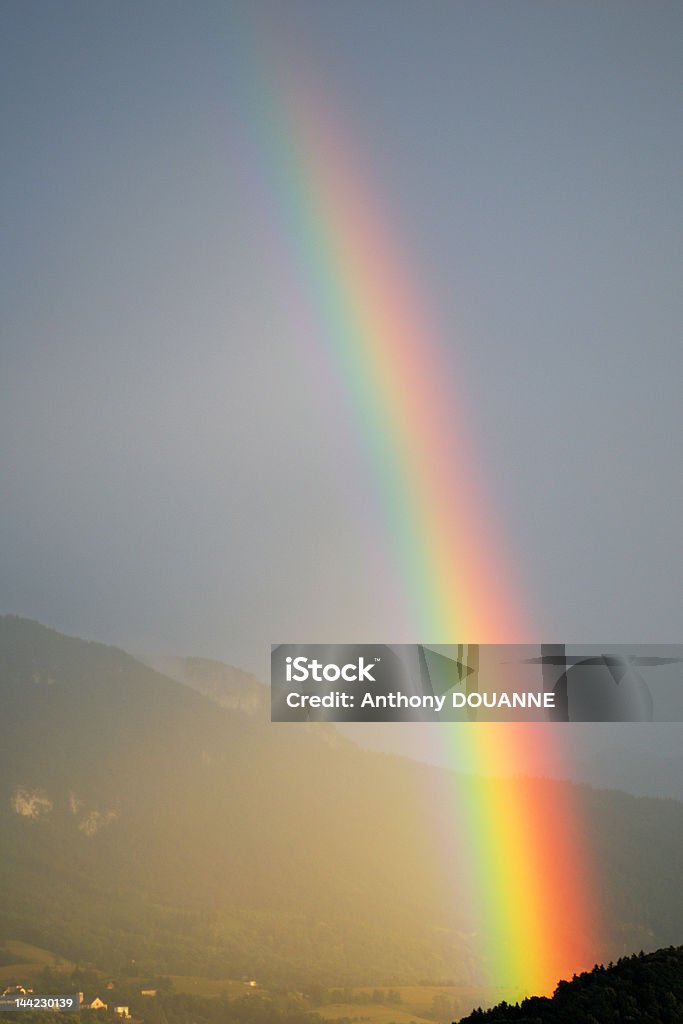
(174, 477)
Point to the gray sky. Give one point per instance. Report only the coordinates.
(175, 475)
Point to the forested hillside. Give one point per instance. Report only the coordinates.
(644, 989)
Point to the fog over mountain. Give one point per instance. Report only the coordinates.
(643, 758)
(141, 819)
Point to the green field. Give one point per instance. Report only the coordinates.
(374, 1012)
(212, 987)
(30, 961)
(415, 1004)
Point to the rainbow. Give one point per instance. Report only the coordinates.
(529, 870)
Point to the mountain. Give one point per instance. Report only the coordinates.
(228, 686)
(643, 989)
(642, 758)
(140, 821)
(145, 827)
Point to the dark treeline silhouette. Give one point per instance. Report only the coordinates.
(644, 989)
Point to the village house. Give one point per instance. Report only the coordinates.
(94, 1004)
